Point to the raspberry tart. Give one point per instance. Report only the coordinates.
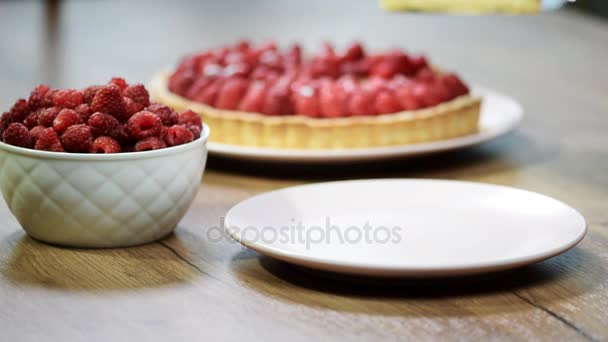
(267, 97)
(111, 118)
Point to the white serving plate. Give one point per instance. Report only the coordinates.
(433, 227)
(500, 114)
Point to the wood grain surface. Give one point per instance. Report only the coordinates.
(191, 286)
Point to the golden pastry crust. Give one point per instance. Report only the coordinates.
(447, 120)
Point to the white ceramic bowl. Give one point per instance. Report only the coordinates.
(97, 200)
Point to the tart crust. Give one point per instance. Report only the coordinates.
(447, 120)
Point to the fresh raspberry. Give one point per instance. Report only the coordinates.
(109, 100)
(177, 135)
(221, 53)
(331, 99)
(393, 64)
(31, 120)
(419, 62)
(403, 62)
(189, 118)
(188, 63)
(143, 125)
(406, 97)
(426, 95)
(37, 97)
(67, 98)
(305, 100)
(49, 96)
(398, 81)
(329, 67)
(456, 86)
(425, 75)
(131, 106)
(271, 78)
(151, 143)
(209, 94)
(374, 85)
(231, 93)
(46, 117)
(19, 110)
(386, 103)
(35, 132)
(17, 134)
(48, 141)
(243, 46)
(138, 93)
(328, 51)
(268, 45)
(361, 67)
(361, 103)
(352, 68)
(210, 66)
(166, 115)
(84, 111)
(272, 103)
(66, 118)
(105, 145)
(5, 120)
(293, 57)
(277, 100)
(104, 124)
(123, 136)
(196, 90)
(127, 148)
(254, 98)
(89, 93)
(326, 64)
(348, 83)
(181, 81)
(264, 73)
(119, 82)
(234, 57)
(442, 90)
(211, 69)
(240, 69)
(77, 138)
(196, 131)
(200, 59)
(353, 53)
(271, 59)
(385, 69)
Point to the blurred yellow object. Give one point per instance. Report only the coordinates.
(464, 6)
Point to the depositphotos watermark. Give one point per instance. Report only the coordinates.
(297, 233)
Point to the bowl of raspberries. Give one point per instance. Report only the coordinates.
(101, 166)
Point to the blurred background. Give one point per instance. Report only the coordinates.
(77, 43)
(599, 7)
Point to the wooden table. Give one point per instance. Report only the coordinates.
(187, 287)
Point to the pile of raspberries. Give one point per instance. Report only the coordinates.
(266, 79)
(111, 118)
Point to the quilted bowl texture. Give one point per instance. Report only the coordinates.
(97, 200)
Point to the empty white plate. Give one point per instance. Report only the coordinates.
(415, 228)
(500, 114)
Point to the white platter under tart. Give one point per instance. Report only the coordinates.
(406, 228)
(500, 114)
